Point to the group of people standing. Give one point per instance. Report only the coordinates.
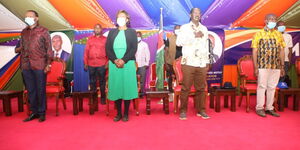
(124, 55)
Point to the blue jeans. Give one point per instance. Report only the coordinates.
(35, 83)
(97, 73)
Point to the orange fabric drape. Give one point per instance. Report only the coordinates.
(5, 35)
(82, 14)
(254, 16)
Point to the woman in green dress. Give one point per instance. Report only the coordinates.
(121, 46)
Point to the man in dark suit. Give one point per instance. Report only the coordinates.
(57, 47)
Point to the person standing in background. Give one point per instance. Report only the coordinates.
(288, 50)
(95, 61)
(142, 58)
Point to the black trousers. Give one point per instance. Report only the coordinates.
(170, 73)
(119, 106)
(95, 74)
(35, 83)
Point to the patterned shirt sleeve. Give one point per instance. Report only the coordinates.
(255, 41)
(281, 41)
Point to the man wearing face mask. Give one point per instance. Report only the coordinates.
(268, 58)
(172, 52)
(36, 57)
(288, 50)
(142, 57)
(95, 61)
(193, 38)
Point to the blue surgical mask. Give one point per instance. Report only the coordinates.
(271, 25)
(30, 21)
(139, 39)
(281, 28)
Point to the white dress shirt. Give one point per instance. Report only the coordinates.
(195, 51)
(142, 54)
(57, 54)
(289, 44)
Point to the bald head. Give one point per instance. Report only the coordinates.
(57, 42)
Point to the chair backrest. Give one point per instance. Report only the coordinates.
(246, 68)
(57, 71)
(297, 65)
(178, 71)
(153, 71)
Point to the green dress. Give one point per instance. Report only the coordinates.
(122, 82)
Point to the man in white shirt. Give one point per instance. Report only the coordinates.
(142, 58)
(193, 38)
(288, 50)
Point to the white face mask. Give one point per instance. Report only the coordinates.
(121, 21)
(139, 39)
(176, 31)
(30, 21)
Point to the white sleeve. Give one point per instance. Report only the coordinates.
(147, 51)
(290, 42)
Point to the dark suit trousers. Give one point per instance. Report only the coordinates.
(35, 83)
(97, 73)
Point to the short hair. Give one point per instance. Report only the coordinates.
(177, 25)
(270, 15)
(140, 33)
(98, 24)
(127, 16)
(35, 13)
(192, 10)
(57, 36)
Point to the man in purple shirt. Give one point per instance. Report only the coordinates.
(36, 56)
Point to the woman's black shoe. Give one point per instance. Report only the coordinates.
(125, 118)
(31, 117)
(117, 118)
(42, 118)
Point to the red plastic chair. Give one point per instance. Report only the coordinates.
(297, 63)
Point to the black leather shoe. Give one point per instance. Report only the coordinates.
(117, 118)
(42, 118)
(31, 117)
(125, 118)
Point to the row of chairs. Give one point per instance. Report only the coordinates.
(248, 82)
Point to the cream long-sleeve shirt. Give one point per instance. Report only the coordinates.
(142, 55)
(195, 51)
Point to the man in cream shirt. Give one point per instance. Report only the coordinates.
(193, 37)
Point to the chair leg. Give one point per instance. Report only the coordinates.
(107, 107)
(176, 95)
(64, 101)
(26, 101)
(276, 101)
(248, 102)
(136, 102)
(57, 102)
(240, 100)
